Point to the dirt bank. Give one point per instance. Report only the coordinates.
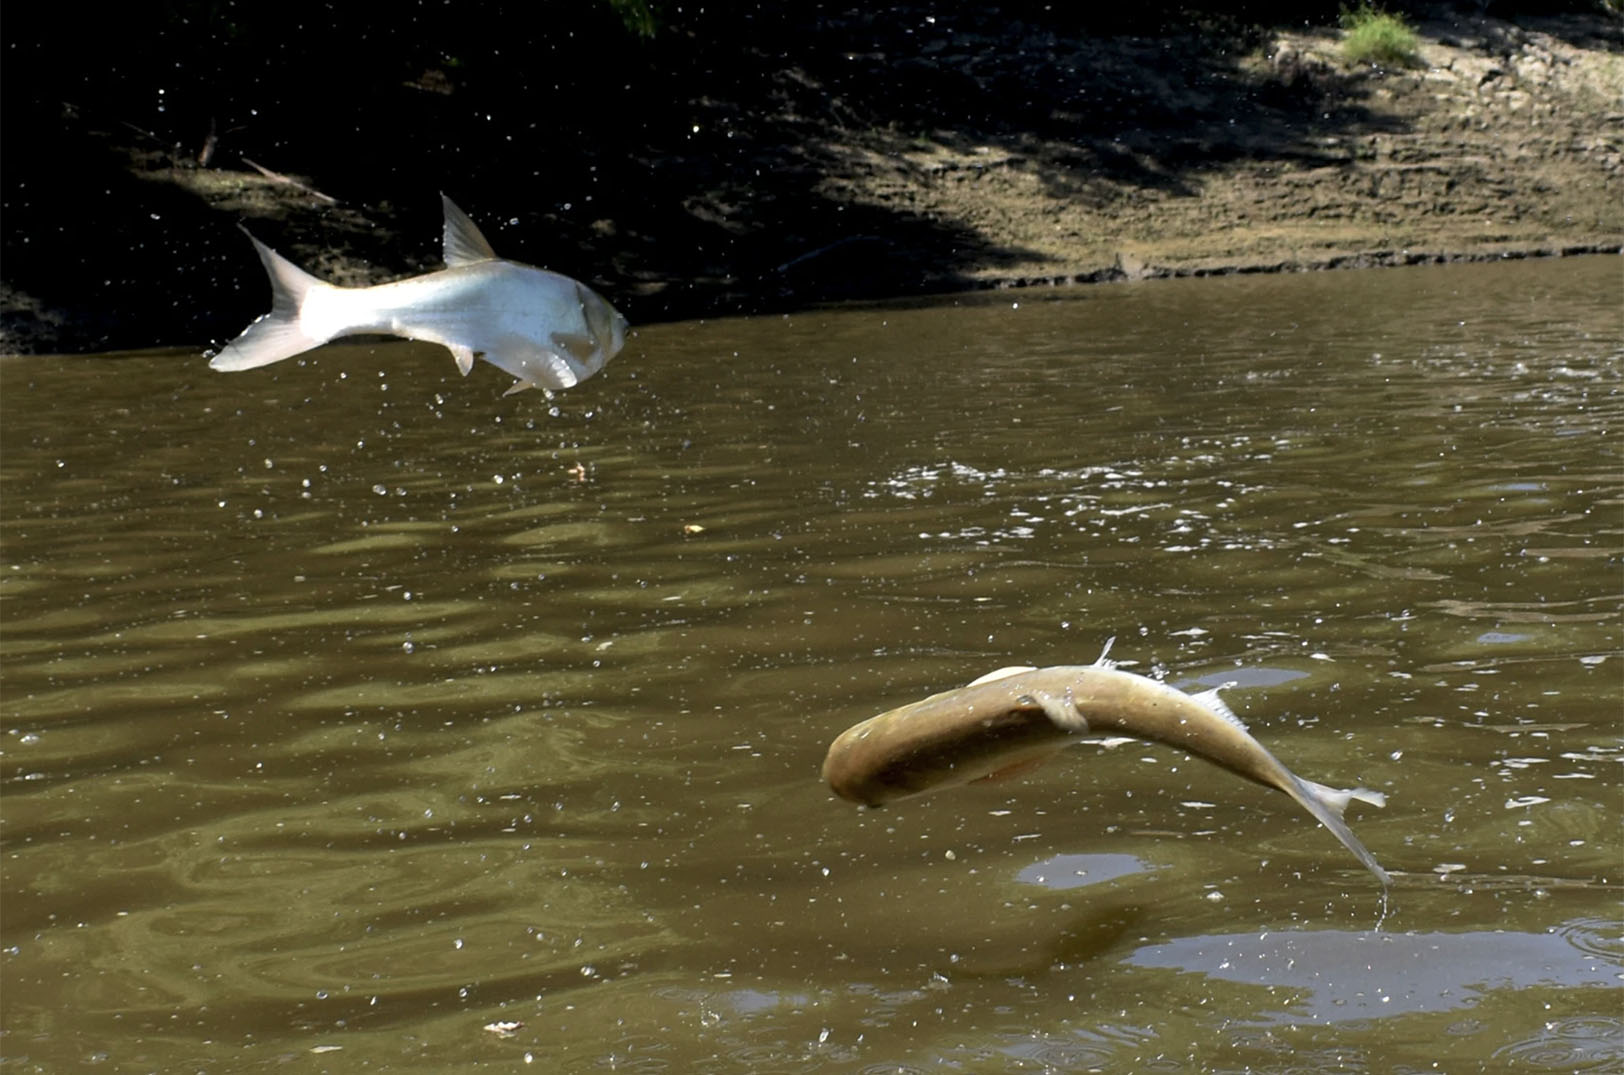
(1505, 139)
(871, 156)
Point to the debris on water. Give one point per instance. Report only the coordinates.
(505, 1028)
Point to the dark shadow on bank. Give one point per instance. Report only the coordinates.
(693, 172)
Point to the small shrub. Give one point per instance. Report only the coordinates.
(1374, 36)
(637, 16)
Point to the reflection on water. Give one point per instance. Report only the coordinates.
(1338, 976)
(1075, 871)
(351, 709)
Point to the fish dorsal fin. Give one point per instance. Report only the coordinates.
(1215, 705)
(1011, 670)
(1104, 660)
(464, 243)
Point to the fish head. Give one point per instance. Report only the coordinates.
(569, 354)
(605, 325)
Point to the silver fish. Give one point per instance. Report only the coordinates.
(547, 330)
(1016, 718)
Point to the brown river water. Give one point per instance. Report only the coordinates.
(358, 718)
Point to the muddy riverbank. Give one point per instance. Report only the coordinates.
(857, 156)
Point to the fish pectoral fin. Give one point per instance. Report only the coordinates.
(1060, 710)
(1104, 659)
(465, 357)
(581, 353)
(536, 366)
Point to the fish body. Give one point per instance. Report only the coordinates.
(1018, 717)
(546, 330)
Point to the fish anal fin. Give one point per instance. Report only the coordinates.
(465, 357)
(465, 244)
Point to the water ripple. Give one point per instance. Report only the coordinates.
(1578, 1045)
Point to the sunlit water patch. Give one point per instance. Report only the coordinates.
(1338, 976)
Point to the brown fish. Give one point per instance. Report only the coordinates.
(1015, 718)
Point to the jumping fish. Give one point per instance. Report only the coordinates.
(545, 329)
(1015, 718)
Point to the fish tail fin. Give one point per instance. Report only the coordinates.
(1328, 805)
(279, 334)
(1338, 798)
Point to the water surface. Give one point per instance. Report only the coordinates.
(358, 717)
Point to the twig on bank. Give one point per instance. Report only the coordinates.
(824, 249)
(210, 143)
(278, 177)
(143, 132)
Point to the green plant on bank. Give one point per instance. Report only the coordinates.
(1371, 35)
(636, 15)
